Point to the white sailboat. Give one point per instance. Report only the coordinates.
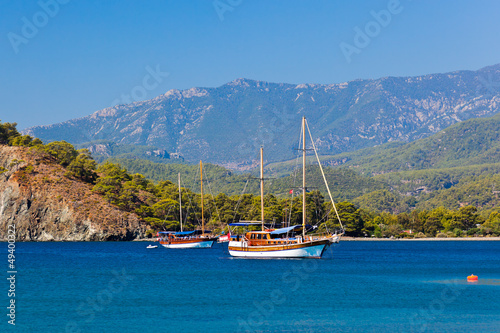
(187, 239)
(285, 242)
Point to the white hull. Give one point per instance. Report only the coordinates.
(315, 251)
(193, 245)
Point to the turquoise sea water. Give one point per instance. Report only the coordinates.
(386, 286)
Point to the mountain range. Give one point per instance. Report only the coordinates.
(226, 125)
(471, 142)
(455, 167)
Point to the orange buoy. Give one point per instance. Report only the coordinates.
(472, 278)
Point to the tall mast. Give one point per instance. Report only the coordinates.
(324, 179)
(262, 187)
(202, 217)
(180, 199)
(304, 177)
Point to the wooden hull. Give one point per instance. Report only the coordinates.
(312, 249)
(189, 244)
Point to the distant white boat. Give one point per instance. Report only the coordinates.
(151, 246)
(195, 239)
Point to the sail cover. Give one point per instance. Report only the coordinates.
(186, 233)
(285, 230)
(183, 233)
(244, 224)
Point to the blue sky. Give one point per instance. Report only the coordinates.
(83, 56)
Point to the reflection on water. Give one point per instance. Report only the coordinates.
(484, 282)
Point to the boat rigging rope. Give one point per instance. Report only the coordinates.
(190, 205)
(185, 217)
(295, 172)
(213, 198)
(169, 209)
(324, 177)
(239, 200)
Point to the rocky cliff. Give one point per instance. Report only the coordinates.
(45, 205)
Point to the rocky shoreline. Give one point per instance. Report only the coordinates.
(38, 202)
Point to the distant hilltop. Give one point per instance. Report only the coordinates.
(226, 125)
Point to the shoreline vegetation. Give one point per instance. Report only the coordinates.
(370, 239)
(155, 205)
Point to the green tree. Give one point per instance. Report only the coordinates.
(369, 223)
(315, 206)
(464, 219)
(111, 185)
(8, 132)
(226, 206)
(436, 220)
(83, 167)
(492, 224)
(62, 151)
(416, 223)
(350, 217)
(167, 209)
(382, 201)
(272, 209)
(390, 226)
(25, 141)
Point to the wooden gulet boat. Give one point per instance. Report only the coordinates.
(285, 242)
(187, 239)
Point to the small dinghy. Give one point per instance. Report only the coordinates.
(152, 246)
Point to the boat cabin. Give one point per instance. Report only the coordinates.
(274, 237)
(255, 235)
